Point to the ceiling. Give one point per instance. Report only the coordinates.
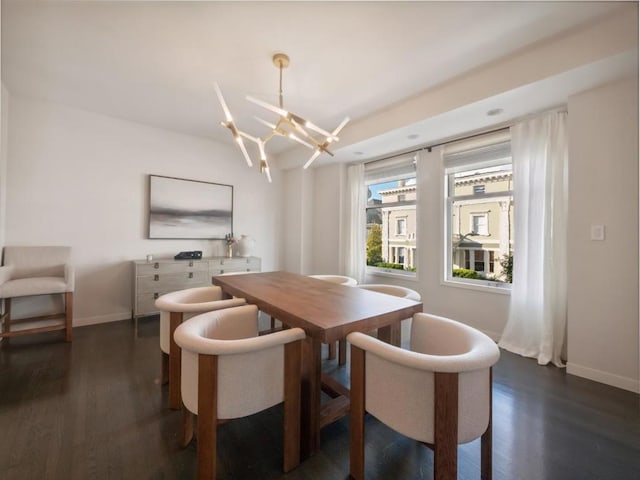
(155, 62)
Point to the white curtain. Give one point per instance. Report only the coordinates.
(538, 313)
(355, 256)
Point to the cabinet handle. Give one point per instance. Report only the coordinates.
(156, 265)
(156, 277)
(191, 263)
(155, 296)
(190, 274)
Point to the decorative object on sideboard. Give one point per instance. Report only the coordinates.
(289, 125)
(181, 208)
(230, 241)
(246, 244)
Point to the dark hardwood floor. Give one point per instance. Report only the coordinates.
(95, 409)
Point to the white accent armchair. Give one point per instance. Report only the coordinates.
(229, 371)
(176, 307)
(396, 291)
(29, 271)
(438, 392)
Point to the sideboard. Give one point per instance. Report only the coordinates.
(155, 278)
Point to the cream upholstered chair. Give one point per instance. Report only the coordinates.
(35, 270)
(342, 344)
(229, 371)
(397, 291)
(175, 307)
(441, 390)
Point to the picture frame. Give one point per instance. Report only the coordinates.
(180, 208)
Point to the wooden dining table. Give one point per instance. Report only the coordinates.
(327, 312)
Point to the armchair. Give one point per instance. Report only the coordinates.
(176, 307)
(230, 371)
(441, 390)
(29, 271)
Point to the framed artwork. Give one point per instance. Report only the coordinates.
(181, 208)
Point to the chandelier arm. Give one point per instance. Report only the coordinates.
(225, 109)
(244, 152)
(279, 111)
(313, 157)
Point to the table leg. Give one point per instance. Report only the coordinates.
(391, 334)
(311, 391)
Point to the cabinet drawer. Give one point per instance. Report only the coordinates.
(250, 264)
(172, 267)
(146, 304)
(165, 283)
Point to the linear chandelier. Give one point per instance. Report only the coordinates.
(288, 125)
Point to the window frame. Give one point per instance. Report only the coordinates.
(475, 158)
(400, 168)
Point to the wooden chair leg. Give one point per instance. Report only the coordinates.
(207, 415)
(332, 351)
(445, 445)
(68, 314)
(6, 324)
(164, 373)
(292, 404)
(356, 414)
(486, 448)
(175, 363)
(342, 352)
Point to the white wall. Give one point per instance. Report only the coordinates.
(80, 179)
(327, 230)
(603, 275)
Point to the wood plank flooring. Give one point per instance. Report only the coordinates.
(95, 409)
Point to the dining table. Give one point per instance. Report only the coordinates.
(327, 312)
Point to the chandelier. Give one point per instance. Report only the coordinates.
(288, 125)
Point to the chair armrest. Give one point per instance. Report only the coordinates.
(477, 358)
(69, 277)
(5, 273)
(189, 336)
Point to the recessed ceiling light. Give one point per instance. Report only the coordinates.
(494, 111)
(413, 136)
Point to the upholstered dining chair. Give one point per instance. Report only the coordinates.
(175, 307)
(397, 291)
(230, 371)
(441, 390)
(342, 344)
(35, 270)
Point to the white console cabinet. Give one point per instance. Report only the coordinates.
(155, 278)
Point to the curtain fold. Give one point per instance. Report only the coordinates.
(355, 257)
(538, 312)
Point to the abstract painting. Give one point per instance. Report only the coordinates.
(181, 208)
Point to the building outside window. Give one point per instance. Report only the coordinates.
(391, 215)
(479, 213)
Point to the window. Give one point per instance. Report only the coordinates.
(401, 226)
(391, 215)
(479, 223)
(479, 211)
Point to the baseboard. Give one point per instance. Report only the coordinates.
(112, 317)
(631, 384)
